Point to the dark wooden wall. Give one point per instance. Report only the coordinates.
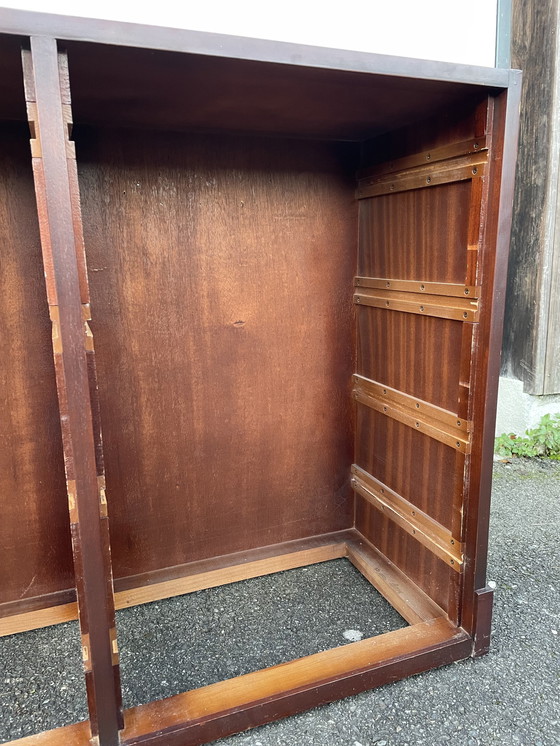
(35, 556)
(417, 235)
(221, 273)
(531, 350)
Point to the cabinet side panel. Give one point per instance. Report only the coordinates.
(419, 309)
(35, 546)
(219, 273)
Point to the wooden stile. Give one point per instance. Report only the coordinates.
(64, 262)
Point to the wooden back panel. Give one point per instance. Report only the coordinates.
(219, 273)
(35, 557)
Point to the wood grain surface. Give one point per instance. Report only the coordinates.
(35, 552)
(220, 273)
(428, 245)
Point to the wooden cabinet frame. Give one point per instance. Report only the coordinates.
(432, 198)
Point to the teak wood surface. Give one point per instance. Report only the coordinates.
(235, 196)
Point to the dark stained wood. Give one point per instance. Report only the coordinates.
(32, 488)
(421, 416)
(221, 231)
(219, 709)
(57, 221)
(130, 87)
(436, 578)
(463, 309)
(12, 100)
(432, 131)
(428, 245)
(409, 517)
(400, 350)
(425, 176)
(482, 629)
(450, 289)
(384, 447)
(416, 466)
(225, 366)
(220, 45)
(402, 593)
(434, 155)
(504, 123)
(205, 714)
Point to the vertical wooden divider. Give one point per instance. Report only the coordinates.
(497, 201)
(47, 94)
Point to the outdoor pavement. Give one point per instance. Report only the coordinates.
(509, 697)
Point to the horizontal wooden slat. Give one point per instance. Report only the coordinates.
(420, 415)
(229, 706)
(426, 412)
(443, 307)
(454, 169)
(459, 442)
(449, 289)
(403, 595)
(414, 521)
(12, 625)
(427, 156)
(226, 575)
(195, 576)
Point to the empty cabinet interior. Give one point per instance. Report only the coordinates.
(251, 305)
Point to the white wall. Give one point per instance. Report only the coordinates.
(450, 30)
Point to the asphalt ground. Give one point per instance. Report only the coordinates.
(509, 697)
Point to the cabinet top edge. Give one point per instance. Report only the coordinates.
(24, 23)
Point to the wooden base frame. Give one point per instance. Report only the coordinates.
(220, 709)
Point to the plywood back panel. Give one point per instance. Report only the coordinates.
(35, 555)
(220, 271)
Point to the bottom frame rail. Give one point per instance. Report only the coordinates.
(234, 705)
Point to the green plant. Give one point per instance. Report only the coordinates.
(543, 440)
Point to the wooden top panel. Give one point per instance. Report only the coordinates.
(220, 272)
(236, 47)
(135, 87)
(35, 555)
(134, 75)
